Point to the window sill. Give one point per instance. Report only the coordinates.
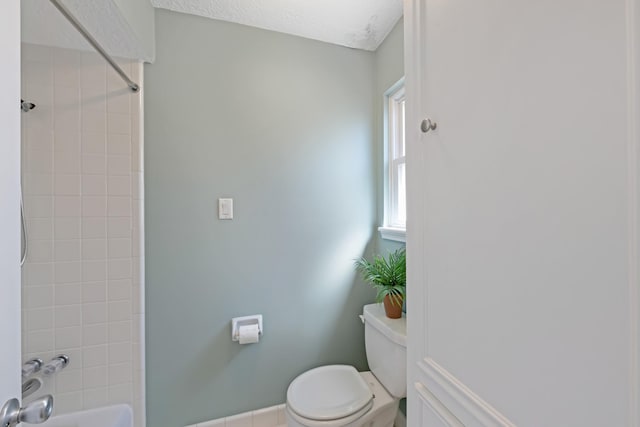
(391, 233)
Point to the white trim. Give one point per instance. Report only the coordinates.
(140, 400)
(392, 96)
(10, 304)
(415, 150)
(466, 401)
(632, 12)
(437, 407)
(392, 233)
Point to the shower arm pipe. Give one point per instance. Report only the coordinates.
(78, 26)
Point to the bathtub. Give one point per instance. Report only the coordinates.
(108, 416)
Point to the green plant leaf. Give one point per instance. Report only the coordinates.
(388, 275)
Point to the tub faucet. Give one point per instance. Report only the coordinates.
(30, 386)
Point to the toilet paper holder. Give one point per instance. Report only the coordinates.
(237, 322)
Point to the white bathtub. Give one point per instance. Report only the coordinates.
(108, 416)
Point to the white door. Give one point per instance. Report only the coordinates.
(9, 200)
(522, 212)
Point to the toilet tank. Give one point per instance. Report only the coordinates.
(386, 345)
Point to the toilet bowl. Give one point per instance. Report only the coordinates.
(340, 396)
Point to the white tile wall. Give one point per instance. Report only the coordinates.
(83, 281)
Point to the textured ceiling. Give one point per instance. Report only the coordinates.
(43, 24)
(360, 24)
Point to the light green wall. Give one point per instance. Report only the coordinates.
(283, 125)
(389, 68)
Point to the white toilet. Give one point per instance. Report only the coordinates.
(340, 396)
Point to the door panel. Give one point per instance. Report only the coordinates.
(9, 200)
(433, 412)
(521, 201)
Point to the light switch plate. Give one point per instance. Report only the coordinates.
(225, 208)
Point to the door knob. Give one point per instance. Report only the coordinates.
(427, 125)
(36, 412)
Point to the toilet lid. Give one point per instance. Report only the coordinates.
(328, 393)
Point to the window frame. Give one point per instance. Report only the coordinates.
(394, 140)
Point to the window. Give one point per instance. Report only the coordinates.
(395, 212)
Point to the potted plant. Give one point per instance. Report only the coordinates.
(389, 278)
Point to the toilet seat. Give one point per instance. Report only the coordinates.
(329, 393)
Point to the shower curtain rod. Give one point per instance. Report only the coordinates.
(78, 26)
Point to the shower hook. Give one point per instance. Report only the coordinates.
(26, 106)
